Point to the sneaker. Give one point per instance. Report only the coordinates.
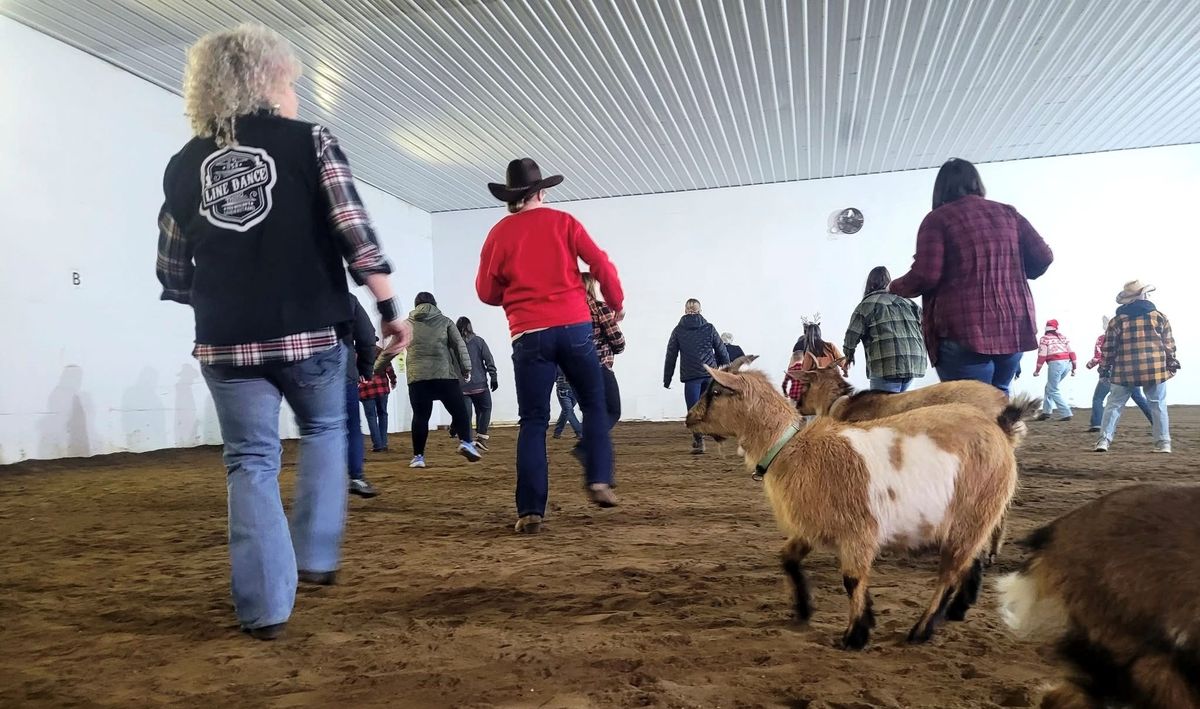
(362, 488)
(1162, 447)
(481, 442)
(1064, 418)
(1093, 429)
(1101, 446)
(529, 524)
(1042, 416)
(317, 578)
(266, 632)
(602, 495)
(468, 451)
(418, 461)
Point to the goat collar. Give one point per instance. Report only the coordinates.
(765, 462)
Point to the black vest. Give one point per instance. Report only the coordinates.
(267, 262)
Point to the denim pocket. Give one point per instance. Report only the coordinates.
(322, 367)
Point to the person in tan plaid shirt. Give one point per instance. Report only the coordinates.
(1139, 351)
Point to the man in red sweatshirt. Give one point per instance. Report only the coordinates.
(530, 267)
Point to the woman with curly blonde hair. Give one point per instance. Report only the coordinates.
(260, 211)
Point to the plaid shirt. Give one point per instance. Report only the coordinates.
(606, 332)
(973, 259)
(890, 327)
(379, 385)
(347, 220)
(1139, 350)
(792, 386)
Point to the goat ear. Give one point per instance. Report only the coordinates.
(839, 362)
(728, 380)
(736, 365)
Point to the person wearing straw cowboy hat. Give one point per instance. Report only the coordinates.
(529, 266)
(1139, 351)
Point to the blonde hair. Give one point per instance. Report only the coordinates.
(589, 284)
(692, 306)
(232, 73)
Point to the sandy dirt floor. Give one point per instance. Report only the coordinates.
(114, 592)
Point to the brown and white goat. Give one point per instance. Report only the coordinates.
(827, 393)
(1116, 583)
(941, 476)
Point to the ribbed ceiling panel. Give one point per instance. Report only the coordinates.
(433, 97)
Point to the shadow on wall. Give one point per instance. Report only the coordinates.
(63, 430)
(143, 418)
(187, 423)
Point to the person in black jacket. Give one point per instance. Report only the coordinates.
(695, 343)
(359, 336)
(733, 350)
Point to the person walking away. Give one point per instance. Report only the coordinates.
(373, 393)
(1139, 350)
(1055, 353)
(260, 213)
(530, 266)
(359, 338)
(610, 342)
(889, 327)
(1104, 386)
(731, 349)
(973, 263)
(478, 388)
(695, 344)
(437, 363)
(810, 352)
(566, 406)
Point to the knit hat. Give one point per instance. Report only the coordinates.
(1051, 325)
(1133, 290)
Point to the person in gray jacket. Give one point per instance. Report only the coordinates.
(478, 387)
(437, 362)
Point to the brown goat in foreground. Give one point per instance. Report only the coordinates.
(941, 475)
(1117, 583)
(827, 393)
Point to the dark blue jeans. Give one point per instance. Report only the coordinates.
(692, 391)
(536, 358)
(1102, 388)
(955, 362)
(355, 451)
(566, 405)
(377, 420)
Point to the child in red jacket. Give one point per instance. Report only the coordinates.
(1055, 353)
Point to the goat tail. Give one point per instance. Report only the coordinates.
(1030, 602)
(1012, 418)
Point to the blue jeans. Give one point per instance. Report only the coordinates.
(692, 391)
(1056, 371)
(955, 362)
(355, 451)
(536, 358)
(566, 415)
(377, 421)
(888, 384)
(1103, 386)
(1156, 397)
(263, 554)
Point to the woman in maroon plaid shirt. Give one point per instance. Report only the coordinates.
(973, 263)
(373, 393)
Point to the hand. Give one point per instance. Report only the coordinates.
(1090, 365)
(666, 385)
(397, 335)
(1072, 372)
(1037, 372)
(620, 315)
(364, 380)
(495, 384)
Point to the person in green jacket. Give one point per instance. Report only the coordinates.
(889, 327)
(436, 363)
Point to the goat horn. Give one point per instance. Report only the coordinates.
(736, 365)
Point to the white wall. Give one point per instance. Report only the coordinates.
(760, 257)
(105, 366)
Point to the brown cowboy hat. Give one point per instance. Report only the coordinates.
(1132, 291)
(522, 179)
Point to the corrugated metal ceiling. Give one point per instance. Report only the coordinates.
(433, 97)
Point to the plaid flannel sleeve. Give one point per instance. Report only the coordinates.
(1109, 351)
(611, 331)
(347, 217)
(1168, 339)
(857, 327)
(174, 264)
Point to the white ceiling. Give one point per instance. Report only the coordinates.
(433, 97)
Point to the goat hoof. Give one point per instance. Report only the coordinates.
(919, 635)
(957, 614)
(856, 638)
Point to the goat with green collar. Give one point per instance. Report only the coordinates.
(938, 476)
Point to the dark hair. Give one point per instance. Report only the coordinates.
(811, 341)
(957, 178)
(877, 280)
(424, 297)
(464, 327)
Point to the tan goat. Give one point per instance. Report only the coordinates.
(1116, 583)
(827, 393)
(939, 476)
